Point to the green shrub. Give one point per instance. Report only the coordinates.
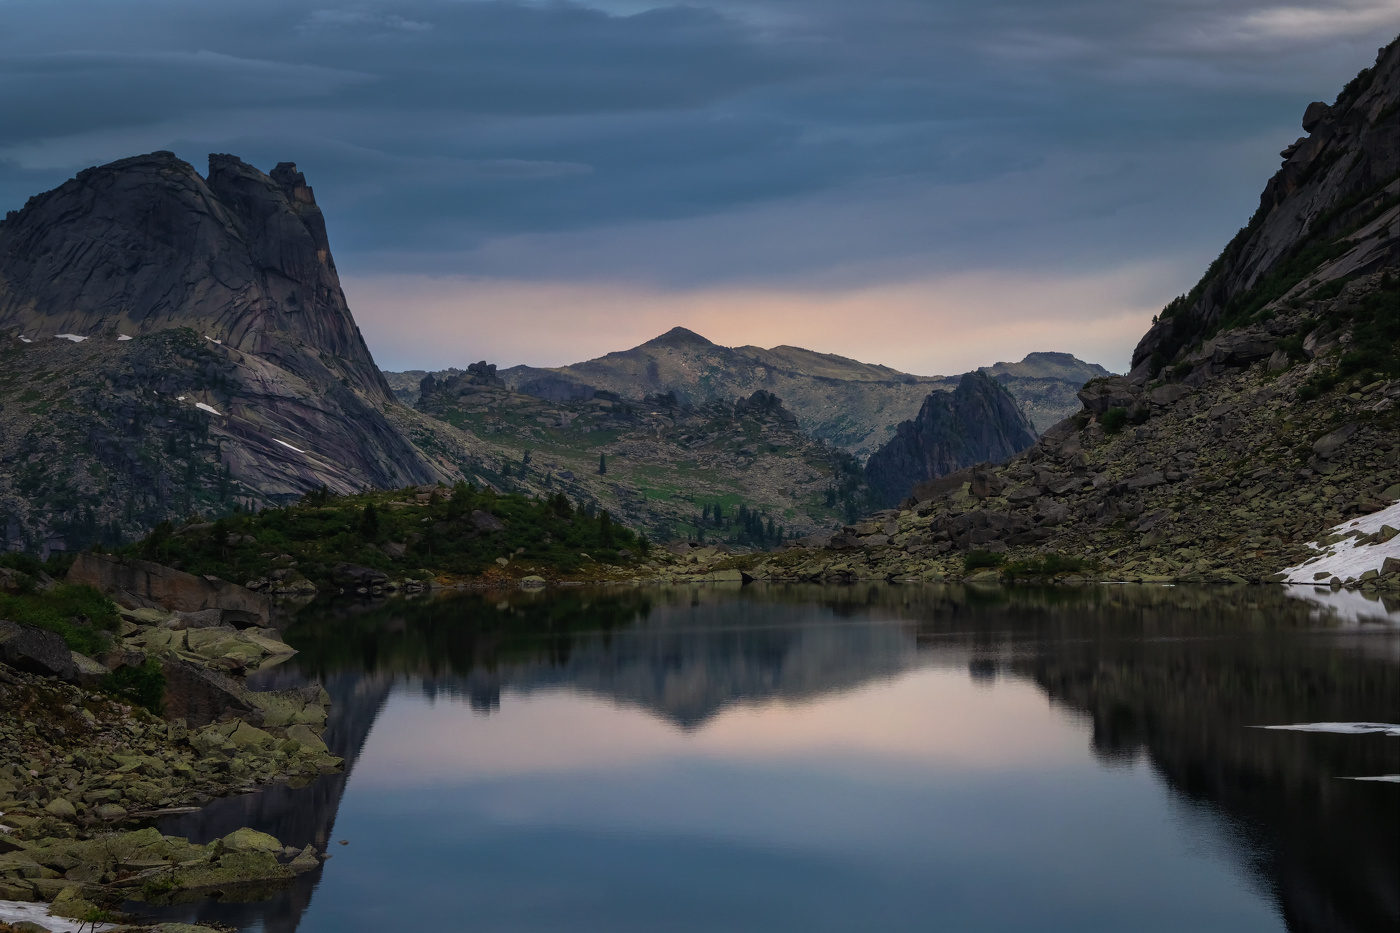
(80, 614)
(1047, 566)
(978, 560)
(1113, 420)
(144, 685)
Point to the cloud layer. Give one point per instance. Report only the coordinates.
(792, 152)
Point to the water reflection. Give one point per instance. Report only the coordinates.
(810, 677)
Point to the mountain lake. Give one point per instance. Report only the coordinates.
(809, 758)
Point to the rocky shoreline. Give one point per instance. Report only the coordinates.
(83, 771)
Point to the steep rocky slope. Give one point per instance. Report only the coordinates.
(849, 404)
(979, 421)
(174, 343)
(1263, 407)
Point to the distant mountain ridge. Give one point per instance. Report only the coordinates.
(845, 402)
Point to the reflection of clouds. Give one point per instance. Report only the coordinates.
(936, 720)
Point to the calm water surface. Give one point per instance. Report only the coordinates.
(856, 758)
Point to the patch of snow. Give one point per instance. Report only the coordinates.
(24, 339)
(179, 398)
(1388, 778)
(1344, 605)
(121, 337)
(1341, 728)
(288, 446)
(1347, 560)
(37, 912)
(207, 337)
(73, 337)
(209, 408)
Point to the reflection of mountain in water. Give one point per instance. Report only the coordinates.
(687, 663)
(1174, 674)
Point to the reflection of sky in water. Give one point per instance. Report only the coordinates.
(927, 800)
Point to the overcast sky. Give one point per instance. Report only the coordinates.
(930, 185)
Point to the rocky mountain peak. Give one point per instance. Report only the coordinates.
(976, 422)
(145, 244)
(678, 337)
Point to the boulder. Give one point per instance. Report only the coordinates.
(137, 583)
(13, 581)
(246, 736)
(1169, 394)
(1315, 113)
(985, 483)
(306, 738)
(1099, 395)
(200, 696)
(306, 860)
(485, 521)
(62, 809)
(250, 840)
(36, 650)
(1239, 348)
(346, 574)
(1329, 444)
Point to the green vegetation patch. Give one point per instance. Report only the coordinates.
(1047, 566)
(79, 613)
(980, 560)
(143, 685)
(460, 531)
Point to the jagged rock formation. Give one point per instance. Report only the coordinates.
(979, 421)
(145, 244)
(1263, 407)
(846, 403)
(1326, 215)
(208, 354)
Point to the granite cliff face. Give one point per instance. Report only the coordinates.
(145, 244)
(1328, 214)
(979, 421)
(204, 351)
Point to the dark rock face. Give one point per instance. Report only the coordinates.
(979, 421)
(136, 583)
(144, 244)
(200, 696)
(36, 650)
(213, 357)
(1327, 214)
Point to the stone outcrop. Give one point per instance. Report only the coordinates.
(137, 583)
(144, 244)
(1329, 213)
(209, 356)
(979, 421)
(36, 650)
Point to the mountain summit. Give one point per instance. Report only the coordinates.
(207, 355)
(144, 244)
